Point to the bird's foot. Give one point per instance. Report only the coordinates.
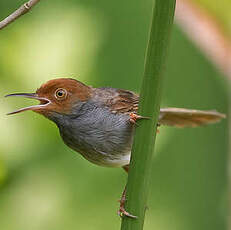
(134, 117)
(122, 212)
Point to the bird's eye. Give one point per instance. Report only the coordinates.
(60, 94)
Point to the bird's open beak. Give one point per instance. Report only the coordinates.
(43, 102)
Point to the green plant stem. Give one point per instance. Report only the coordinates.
(142, 150)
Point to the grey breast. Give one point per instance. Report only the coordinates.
(98, 134)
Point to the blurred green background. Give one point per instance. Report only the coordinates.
(44, 184)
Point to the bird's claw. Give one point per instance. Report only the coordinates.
(122, 212)
(134, 117)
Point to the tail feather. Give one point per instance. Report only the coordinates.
(179, 117)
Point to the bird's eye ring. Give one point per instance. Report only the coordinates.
(60, 94)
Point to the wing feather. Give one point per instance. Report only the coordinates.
(124, 101)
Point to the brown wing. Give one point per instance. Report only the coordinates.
(188, 117)
(123, 101)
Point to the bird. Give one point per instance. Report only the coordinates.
(99, 123)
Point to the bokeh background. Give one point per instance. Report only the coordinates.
(44, 184)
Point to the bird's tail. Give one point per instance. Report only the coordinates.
(188, 117)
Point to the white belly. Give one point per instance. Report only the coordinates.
(109, 161)
(124, 160)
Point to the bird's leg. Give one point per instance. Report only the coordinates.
(157, 130)
(122, 212)
(134, 117)
(126, 168)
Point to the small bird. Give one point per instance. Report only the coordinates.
(99, 123)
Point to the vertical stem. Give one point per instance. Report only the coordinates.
(141, 160)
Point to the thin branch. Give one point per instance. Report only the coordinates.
(139, 175)
(26, 7)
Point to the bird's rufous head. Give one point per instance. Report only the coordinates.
(58, 95)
